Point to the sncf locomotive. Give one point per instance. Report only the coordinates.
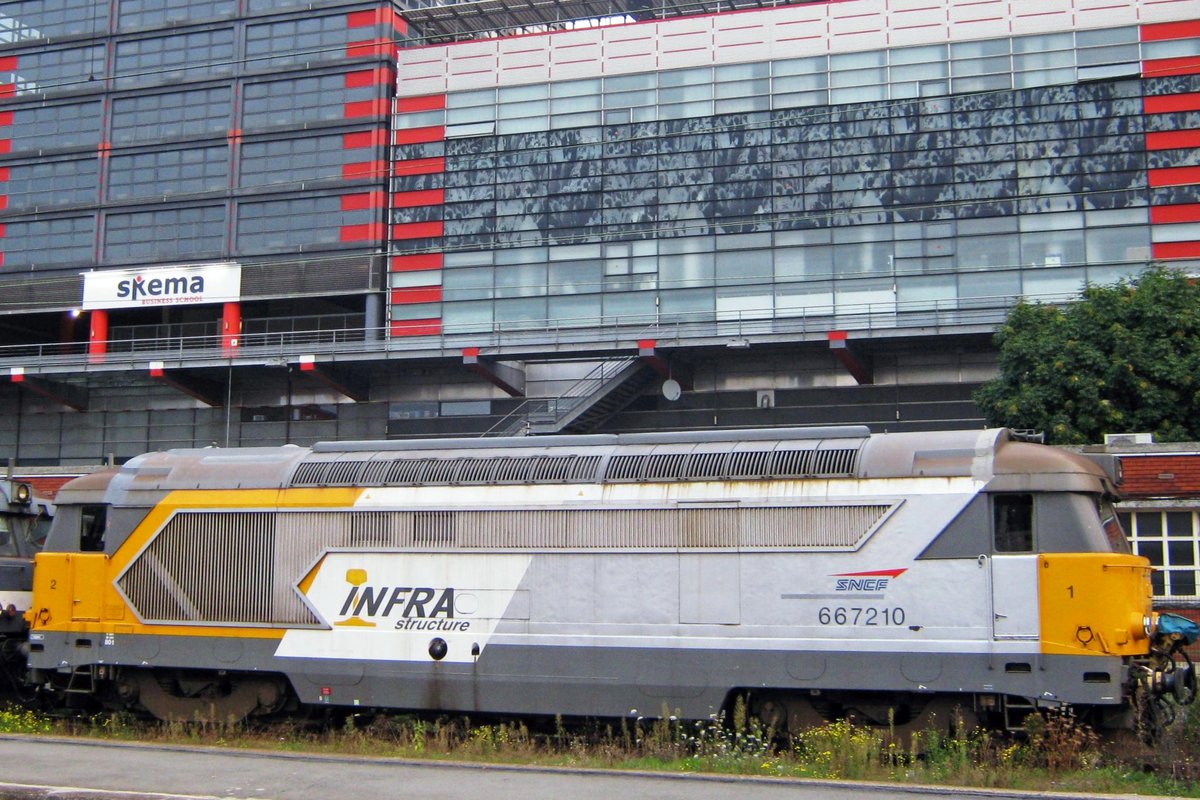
(816, 573)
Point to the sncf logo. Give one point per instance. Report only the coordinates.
(413, 607)
(874, 581)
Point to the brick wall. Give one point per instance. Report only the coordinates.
(1161, 475)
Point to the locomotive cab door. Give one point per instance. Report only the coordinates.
(1013, 568)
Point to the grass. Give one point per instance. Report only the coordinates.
(1057, 754)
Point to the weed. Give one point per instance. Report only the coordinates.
(17, 720)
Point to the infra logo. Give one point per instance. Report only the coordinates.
(356, 578)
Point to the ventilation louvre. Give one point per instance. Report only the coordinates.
(389, 469)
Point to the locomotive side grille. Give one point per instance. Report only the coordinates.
(205, 568)
(390, 470)
(242, 567)
(448, 471)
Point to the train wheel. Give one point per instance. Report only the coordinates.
(186, 696)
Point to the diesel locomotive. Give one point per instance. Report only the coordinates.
(24, 523)
(816, 573)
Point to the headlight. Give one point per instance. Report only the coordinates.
(22, 493)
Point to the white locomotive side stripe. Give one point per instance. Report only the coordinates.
(797, 646)
(836, 490)
(19, 600)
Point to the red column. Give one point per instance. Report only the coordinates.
(97, 335)
(231, 327)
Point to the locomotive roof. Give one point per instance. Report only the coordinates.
(990, 455)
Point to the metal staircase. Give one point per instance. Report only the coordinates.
(584, 406)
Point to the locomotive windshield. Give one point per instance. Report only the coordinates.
(23, 534)
(1112, 527)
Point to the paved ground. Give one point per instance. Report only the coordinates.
(33, 768)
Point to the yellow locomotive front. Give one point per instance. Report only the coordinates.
(1097, 601)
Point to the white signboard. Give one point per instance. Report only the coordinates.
(392, 606)
(162, 286)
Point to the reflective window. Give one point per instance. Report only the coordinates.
(54, 70)
(38, 19)
(1012, 523)
(170, 115)
(164, 234)
(50, 183)
(55, 126)
(1168, 539)
(298, 41)
(40, 243)
(170, 59)
(168, 172)
(161, 13)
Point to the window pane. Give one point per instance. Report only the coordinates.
(1013, 523)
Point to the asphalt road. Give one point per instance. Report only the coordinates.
(37, 767)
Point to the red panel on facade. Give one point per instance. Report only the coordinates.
(416, 327)
(434, 133)
(421, 294)
(430, 102)
(5, 146)
(363, 19)
(1170, 103)
(1173, 176)
(366, 108)
(419, 166)
(428, 197)
(415, 262)
(364, 169)
(367, 77)
(1189, 212)
(6, 118)
(417, 230)
(369, 232)
(1172, 140)
(372, 138)
(1170, 30)
(356, 202)
(394, 19)
(8, 64)
(1185, 65)
(8, 89)
(1167, 250)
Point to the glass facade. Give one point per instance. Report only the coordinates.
(191, 129)
(938, 177)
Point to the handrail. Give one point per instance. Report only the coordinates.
(603, 331)
(554, 409)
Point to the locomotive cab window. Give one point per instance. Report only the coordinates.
(92, 522)
(1012, 523)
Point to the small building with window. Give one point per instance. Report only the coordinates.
(1160, 503)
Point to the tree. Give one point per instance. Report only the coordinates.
(1126, 357)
